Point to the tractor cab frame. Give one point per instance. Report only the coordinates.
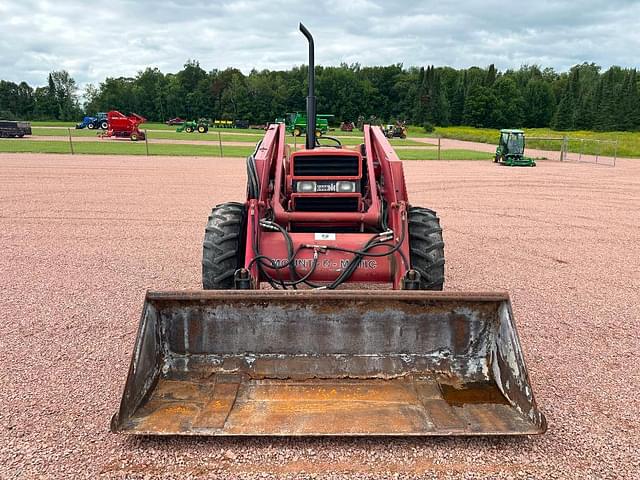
(510, 150)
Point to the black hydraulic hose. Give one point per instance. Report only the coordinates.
(258, 258)
(358, 255)
(290, 262)
(338, 142)
(252, 182)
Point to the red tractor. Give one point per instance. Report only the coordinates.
(321, 217)
(347, 126)
(123, 126)
(238, 360)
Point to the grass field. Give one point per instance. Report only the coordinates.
(121, 147)
(628, 146)
(125, 147)
(228, 135)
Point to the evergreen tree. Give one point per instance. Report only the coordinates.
(491, 76)
(457, 103)
(539, 103)
(508, 110)
(632, 102)
(564, 118)
(479, 107)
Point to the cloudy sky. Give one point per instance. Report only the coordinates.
(93, 39)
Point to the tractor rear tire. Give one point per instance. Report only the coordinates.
(104, 125)
(223, 246)
(134, 137)
(202, 129)
(426, 247)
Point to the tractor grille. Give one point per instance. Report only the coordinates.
(326, 204)
(325, 166)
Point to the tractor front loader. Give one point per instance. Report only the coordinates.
(305, 357)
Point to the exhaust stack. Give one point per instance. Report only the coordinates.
(311, 98)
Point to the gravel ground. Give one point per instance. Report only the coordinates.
(82, 238)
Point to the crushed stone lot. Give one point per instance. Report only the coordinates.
(83, 237)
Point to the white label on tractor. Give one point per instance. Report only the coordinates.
(325, 236)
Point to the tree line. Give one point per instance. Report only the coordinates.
(585, 97)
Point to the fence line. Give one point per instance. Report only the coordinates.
(70, 141)
(582, 155)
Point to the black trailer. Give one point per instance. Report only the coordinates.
(10, 129)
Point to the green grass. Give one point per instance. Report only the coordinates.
(47, 131)
(628, 146)
(54, 123)
(123, 147)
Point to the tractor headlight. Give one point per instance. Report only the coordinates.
(306, 186)
(345, 187)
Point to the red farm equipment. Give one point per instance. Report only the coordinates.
(347, 126)
(304, 357)
(124, 126)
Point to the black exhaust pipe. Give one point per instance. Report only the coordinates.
(311, 98)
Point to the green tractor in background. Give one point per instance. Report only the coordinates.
(510, 149)
(200, 126)
(296, 123)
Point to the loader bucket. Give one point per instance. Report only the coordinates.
(327, 363)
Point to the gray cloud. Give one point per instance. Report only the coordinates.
(122, 37)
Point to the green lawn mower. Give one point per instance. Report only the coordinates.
(510, 151)
(200, 126)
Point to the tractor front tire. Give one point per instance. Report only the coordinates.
(189, 129)
(426, 247)
(297, 132)
(134, 137)
(90, 126)
(223, 246)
